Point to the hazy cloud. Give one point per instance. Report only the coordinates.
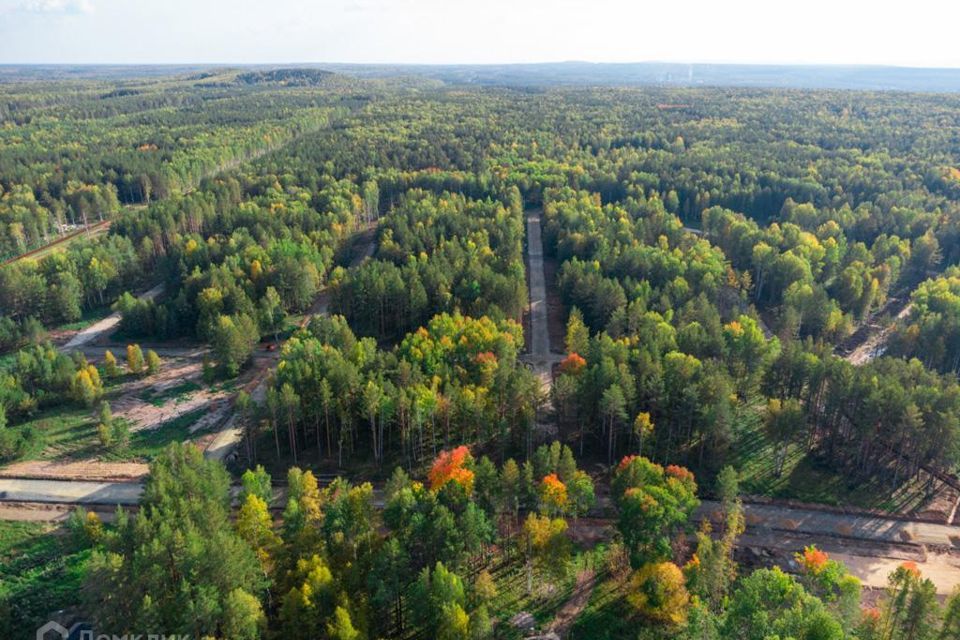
(491, 31)
(61, 7)
(378, 6)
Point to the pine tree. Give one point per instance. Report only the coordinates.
(578, 336)
(950, 629)
(105, 425)
(86, 386)
(510, 488)
(182, 528)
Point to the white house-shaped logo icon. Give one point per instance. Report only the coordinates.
(52, 626)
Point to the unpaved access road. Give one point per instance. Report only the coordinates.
(871, 546)
(70, 492)
(98, 329)
(777, 518)
(539, 337)
(46, 512)
(540, 356)
(94, 229)
(573, 607)
(874, 344)
(92, 470)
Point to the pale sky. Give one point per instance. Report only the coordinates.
(906, 33)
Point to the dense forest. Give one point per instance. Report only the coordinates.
(712, 252)
(432, 559)
(809, 222)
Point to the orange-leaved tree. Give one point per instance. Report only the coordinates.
(573, 364)
(553, 495)
(454, 465)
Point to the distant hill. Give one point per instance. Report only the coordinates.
(873, 78)
(677, 74)
(294, 76)
(23, 72)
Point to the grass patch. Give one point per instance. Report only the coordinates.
(88, 318)
(177, 393)
(147, 443)
(543, 603)
(71, 434)
(40, 572)
(808, 478)
(58, 432)
(608, 615)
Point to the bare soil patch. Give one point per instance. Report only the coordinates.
(46, 512)
(176, 390)
(94, 470)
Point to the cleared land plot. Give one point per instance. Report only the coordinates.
(173, 405)
(806, 478)
(40, 572)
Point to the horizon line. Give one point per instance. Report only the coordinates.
(857, 65)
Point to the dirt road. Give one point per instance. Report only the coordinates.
(874, 342)
(89, 470)
(98, 329)
(871, 546)
(540, 339)
(70, 492)
(40, 512)
(540, 357)
(573, 607)
(772, 518)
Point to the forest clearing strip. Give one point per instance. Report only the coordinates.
(874, 340)
(540, 357)
(870, 555)
(223, 443)
(103, 225)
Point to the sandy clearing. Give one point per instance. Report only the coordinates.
(94, 470)
(942, 570)
(43, 512)
(136, 398)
